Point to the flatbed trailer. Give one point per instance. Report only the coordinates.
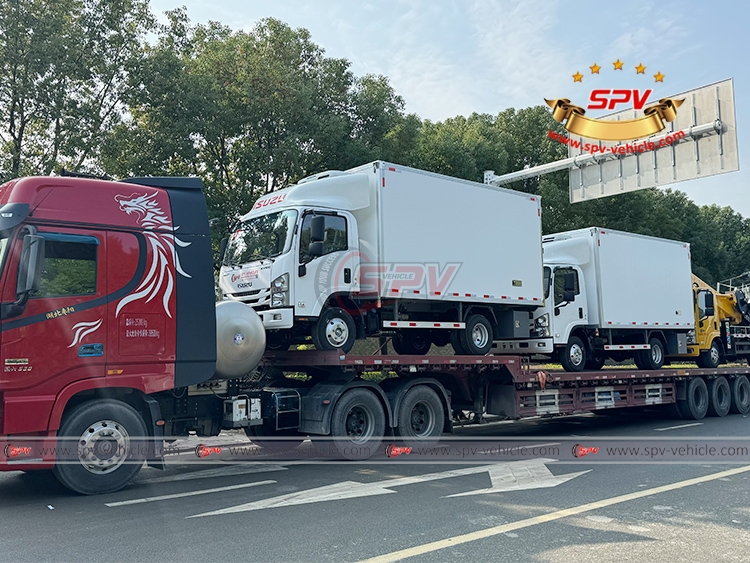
(510, 387)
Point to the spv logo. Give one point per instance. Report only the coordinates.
(574, 119)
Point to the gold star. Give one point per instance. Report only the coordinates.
(595, 69)
(618, 64)
(578, 77)
(640, 69)
(659, 77)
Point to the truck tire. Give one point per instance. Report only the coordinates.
(650, 359)
(719, 397)
(441, 337)
(415, 343)
(595, 361)
(358, 424)
(334, 330)
(695, 405)
(458, 347)
(710, 358)
(109, 438)
(420, 417)
(476, 338)
(740, 395)
(573, 355)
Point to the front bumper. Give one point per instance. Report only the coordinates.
(274, 319)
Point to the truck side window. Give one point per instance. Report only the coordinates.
(336, 237)
(69, 266)
(560, 280)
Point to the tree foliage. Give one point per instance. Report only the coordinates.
(63, 74)
(252, 111)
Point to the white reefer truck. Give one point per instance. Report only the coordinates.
(387, 248)
(611, 294)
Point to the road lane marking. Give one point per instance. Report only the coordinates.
(227, 471)
(510, 476)
(679, 426)
(188, 494)
(550, 517)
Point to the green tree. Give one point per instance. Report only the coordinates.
(63, 74)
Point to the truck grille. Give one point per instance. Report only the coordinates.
(255, 298)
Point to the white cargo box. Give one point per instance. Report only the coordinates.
(631, 280)
(470, 241)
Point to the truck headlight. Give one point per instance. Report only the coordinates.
(280, 291)
(542, 321)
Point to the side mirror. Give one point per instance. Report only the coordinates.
(318, 229)
(316, 249)
(223, 248)
(709, 304)
(31, 265)
(569, 295)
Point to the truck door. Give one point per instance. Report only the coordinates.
(333, 273)
(58, 337)
(568, 314)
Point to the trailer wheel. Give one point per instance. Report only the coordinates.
(719, 397)
(107, 447)
(414, 343)
(334, 330)
(740, 395)
(695, 405)
(710, 358)
(573, 355)
(476, 338)
(358, 424)
(420, 417)
(653, 358)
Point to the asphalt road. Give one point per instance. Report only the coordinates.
(399, 509)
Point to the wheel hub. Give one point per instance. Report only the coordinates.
(103, 447)
(358, 424)
(480, 335)
(422, 420)
(576, 354)
(337, 332)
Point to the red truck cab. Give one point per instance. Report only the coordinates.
(106, 295)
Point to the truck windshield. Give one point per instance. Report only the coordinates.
(261, 237)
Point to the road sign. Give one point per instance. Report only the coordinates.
(701, 141)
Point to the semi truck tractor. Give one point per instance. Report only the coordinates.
(388, 248)
(611, 294)
(112, 344)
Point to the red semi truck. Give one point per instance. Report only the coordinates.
(112, 343)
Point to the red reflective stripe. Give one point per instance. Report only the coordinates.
(456, 325)
(520, 298)
(486, 296)
(455, 294)
(412, 324)
(436, 324)
(416, 291)
(383, 182)
(467, 294)
(394, 290)
(536, 299)
(437, 293)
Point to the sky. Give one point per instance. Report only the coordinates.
(456, 57)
